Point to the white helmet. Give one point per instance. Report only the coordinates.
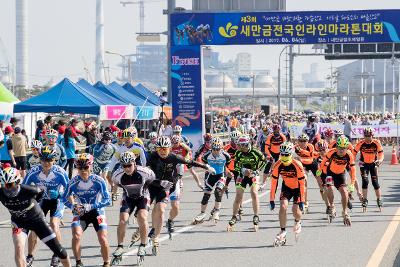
(152, 135)
(252, 131)
(36, 144)
(175, 139)
(235, 135)
(10, 175)
(163, 141)
(127, 157)
(177, 129)
(286, 148)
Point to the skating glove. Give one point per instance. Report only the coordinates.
(272, 205)
(301, 206)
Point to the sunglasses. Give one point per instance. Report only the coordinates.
(367, 135)
(162, 148)
(341, 149)
(83, 168)
(285, 155)
(51, 136)
(127, 166)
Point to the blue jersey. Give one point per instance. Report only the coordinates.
(53, 185)
(61, 157)
(186, 141)
(218, 162)
(93, 191)
(102, 154)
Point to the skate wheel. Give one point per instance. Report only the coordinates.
(155, 251)
(276, 244)
(116, 260)
(140, 260)
(215, 221)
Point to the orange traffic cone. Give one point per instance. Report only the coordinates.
(394, 157)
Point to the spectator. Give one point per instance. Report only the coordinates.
(69, 145)
(90, 134)
(19, 146)
(39, 130)
(61, 127)
(14, 122)
(167, 130)
(1, 132)
(347, 126)
(6, 152)
(48, 121)
(23, 132)
(75, 131)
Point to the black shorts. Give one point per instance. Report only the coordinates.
(54, 206)
(369, 168)
(21, 163)
(289, 193)
(243, 182)
(313, 167)
(211, 180)
(41, 228)
(339, 180)
(129, 205)
(92, 217)
(158, 194)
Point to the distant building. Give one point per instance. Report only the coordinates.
(243, 64)
(373, 71)
(150, 65)
(311, 79)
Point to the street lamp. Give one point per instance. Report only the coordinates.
(252, 76)
(124, 64)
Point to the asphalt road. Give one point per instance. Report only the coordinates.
(372, 240)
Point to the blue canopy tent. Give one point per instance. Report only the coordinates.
(117, 91)
(142, 92)
(99, 94)
(65, 96)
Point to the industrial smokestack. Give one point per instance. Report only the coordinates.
(21, 16)
(99, 68)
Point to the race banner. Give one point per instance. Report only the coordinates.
(116, 112)
(388, 129)
(309, 27)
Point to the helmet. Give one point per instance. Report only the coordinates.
(36, 144)
(234, 135)
(129, 133)
(369, 131)
(321, 145)
(328, 132)
(51, 133)
(48, 152)
(175, 139)
(177, 129)
(83, 160)
(152, 135)
(303, 137)
(207, 137)
(311, 118)
(163, 141)
(342, 142)
(106, 136)
(127, 158)
(10, 175)
(252, 131)
(244, 140)
(216, 143)
(286, 148)
(276, 127)
(338, 132)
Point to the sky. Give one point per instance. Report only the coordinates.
(62, 35)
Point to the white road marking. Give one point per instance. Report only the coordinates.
(133, 252)
(381, 248)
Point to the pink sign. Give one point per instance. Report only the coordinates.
(116, 112)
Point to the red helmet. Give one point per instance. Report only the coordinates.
(321, 145)
(276, 127)
(328, 132)
(207, 137)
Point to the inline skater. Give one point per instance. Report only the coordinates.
(371, 157)
(205, 147)
(26, 215)
(336, 161)
(248, 163)
(50, 139)
(218, 159)
(34, 158)
(103, 151)
(151, 144)
(293, 186)
(134, 180)
(333, 143)
(164, 163)
(321, 148)
(231, 148)
(329, 136)
(86, 195)
(272, 145)
(253, 137)
(52, 180)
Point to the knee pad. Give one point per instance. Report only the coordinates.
(57, 249)
(218, 194)
(364, 182)
(205, 199)
(375, 183)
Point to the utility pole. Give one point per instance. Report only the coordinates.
(171, 8)
(291, 91)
